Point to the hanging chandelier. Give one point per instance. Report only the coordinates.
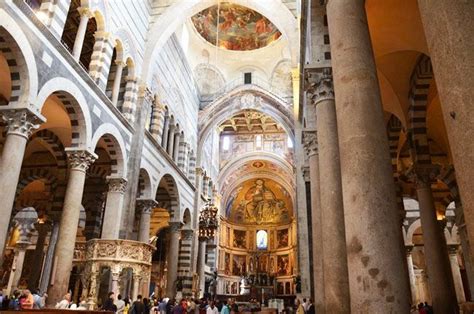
(208, 221)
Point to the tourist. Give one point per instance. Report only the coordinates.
(305, 305)
(127, 305)
(14, 303)
(162, 306)
(421, 309)
(170, 306)
(138, 307)
(1, 299)
(28, 301)
(65, 302)
(180, 308)
(299, 307)
(428, 308)
(82, 306)
(120, 304)
(109, 304)
(39, 300)
(191, 309)
(5, 302)
(146, 303)
(212, 309)
(225, 309)
(310, 308)
(234, 308)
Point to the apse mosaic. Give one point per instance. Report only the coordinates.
(235, 27)
(259, 201)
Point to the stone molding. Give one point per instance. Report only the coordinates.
(187, 234)
(117, 185)
(21, 122)
(145, 206)
(320, 85)
(310, 142)
(80, 159)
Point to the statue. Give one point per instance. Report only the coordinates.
(244, 287)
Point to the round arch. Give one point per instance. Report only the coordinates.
(242, 98)
(76, 106)
(115, 147)
(144, 184)
(233, 165)
(182, 10)
(25, 84)
(167, 196)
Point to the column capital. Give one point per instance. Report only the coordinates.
(117, 184)
(143, 91)
(21, 121)
(145, 206)
(310, 142)
(199, 171)
(175, 226)
(319, 84)
(408, 249)
(120, 63)
(80, 159)
(305, 172)
(453, 249)
(85, 12)
(423, 174)
(187, 234)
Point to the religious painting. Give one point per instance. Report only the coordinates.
(227, 263)
(261, 201)
(239, 266)
(234, 27)
(282, 238)
(262, 263)
(240, 239)
(283, 265)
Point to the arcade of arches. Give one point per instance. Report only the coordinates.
(244, 149)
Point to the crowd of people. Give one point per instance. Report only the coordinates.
(22, 300)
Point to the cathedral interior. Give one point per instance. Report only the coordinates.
(267, 150)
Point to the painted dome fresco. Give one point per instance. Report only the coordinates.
(235, 27)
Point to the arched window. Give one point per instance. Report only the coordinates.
(262, 240)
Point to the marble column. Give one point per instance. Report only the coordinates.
(177, 140)
(449, 29)
(166, 126)
(48, 262)
(157, 121)
(117, 81)
(136, 286)
(86, 14)
(115, 283)
(437, 264)
(171, 137)
(113, 207)
(79, 162)
(145, 206)
(336, 281)
(310, 141)
(19, 125)
(378, 278)
(458, 285)
(173, 253)
(411, 274)
(202, 266)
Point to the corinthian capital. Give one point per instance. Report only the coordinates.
(145, 206)
(117, 184)
(21, 121)
(80, 159)
(319, 85)
(310, 142)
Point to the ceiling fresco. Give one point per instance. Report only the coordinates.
(235, 27)
(259, 201)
